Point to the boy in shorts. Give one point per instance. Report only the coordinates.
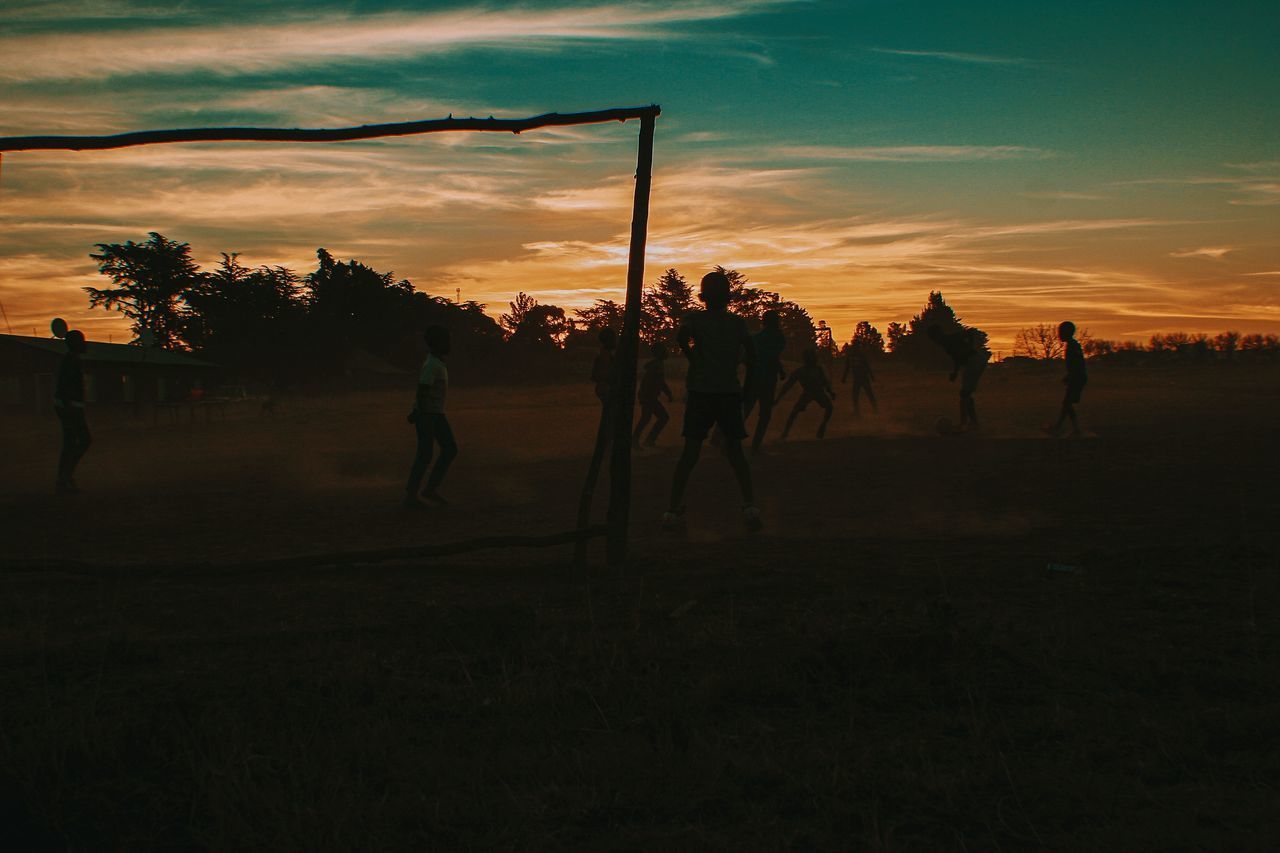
(714, 341)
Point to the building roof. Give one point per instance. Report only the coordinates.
(98, 352)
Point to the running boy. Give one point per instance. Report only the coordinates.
(653, 382)
(714, 341)
(1075, 379)
(968, 357)
(815, 387)
(429, 421)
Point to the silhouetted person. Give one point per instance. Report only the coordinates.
(762, 383)
(602, 375)
(430, 422)
(969, 358)
(857, 365)
(653, 383)
(602, 367)
(815, 387)
(714, 341)
(68, 402)
(1075, 379)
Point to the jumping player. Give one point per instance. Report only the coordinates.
(815, 387)
(857, 365)
(714, 341)
(68, 403)
(428, 419)
(1075, 379)
(653, 383)
(969, 359)
(762, 387)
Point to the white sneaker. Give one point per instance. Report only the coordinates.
(751, 516)
(673, 520)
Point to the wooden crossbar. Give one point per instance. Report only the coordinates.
(338, 134)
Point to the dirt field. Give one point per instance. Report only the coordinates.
(890, 665)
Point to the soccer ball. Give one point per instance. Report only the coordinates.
(945, 426)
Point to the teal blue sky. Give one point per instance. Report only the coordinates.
(1116, 164)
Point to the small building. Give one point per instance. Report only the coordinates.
(113, 373)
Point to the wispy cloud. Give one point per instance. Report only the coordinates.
(913, 153)
(956, 56)
(1211, 252)
(1255, 184)
(17, 11)
(1062, 195)
(332, 39)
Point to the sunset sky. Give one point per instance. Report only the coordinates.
(1117, 164)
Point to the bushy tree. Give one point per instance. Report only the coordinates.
(535, 326)
(895, 332)
(665, 305)
(867, 339)
(247, 320)
(915, 346)
(352, 305)
(150, 280)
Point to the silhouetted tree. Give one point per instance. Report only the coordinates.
(520, 309)
(895, 332)
(1099, 347)
(151, 279)
(535, 326)
(352, 306)
(603, 314)
(665, 305)
(824, 341)
(868, 338)
(1227, 343)
(914, 345)
(1039, 341)
(247, 320)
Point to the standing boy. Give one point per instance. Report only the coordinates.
(428, 418)
(815, 387)
(653, 382)
(762, 387)
(857, 365)
(969, 359)
(1074, 380)
(714, 341)
(68, 402)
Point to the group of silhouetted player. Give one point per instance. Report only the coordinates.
(714, 342)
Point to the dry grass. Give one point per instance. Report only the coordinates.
(890, 666)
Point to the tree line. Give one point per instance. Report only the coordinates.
(1041, 342)
(270, 322)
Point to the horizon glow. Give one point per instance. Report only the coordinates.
(1119, 168)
